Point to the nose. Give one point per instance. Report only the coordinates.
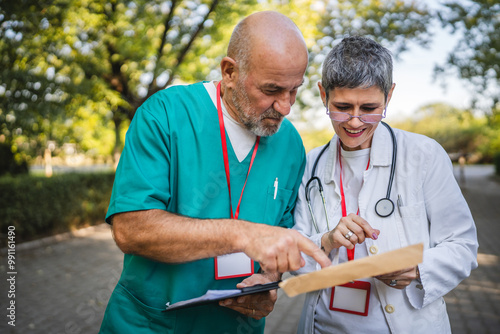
(356, 122)
(283, 103)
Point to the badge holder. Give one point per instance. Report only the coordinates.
(351, 298)
(233, 265)
(236, 264)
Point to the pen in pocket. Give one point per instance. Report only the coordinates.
(400, 203)
(275, 188)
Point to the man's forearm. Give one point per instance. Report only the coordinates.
(167, 237)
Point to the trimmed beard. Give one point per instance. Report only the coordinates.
(252, 122)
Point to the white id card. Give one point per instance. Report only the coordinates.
(233, 265)
(351, 298)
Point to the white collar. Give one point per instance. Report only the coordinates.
(380, 155)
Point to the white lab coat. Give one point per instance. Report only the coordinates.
(434, 212)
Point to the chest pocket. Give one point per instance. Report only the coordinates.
(410, 214)
(275, 207)
(410, 222)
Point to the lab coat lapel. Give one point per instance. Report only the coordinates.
(381, 150)
(331, 161)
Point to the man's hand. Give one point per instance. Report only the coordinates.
(257, 305)
(278, 249)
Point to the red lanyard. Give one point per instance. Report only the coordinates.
(226, 159)
(350, 252)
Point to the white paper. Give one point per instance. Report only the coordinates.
(231, 265)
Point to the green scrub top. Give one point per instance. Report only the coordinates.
(173, 161)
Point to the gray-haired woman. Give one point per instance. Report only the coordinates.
(383, 189)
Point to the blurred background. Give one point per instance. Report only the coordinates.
(73, 73)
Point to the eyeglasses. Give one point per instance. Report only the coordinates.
(346, 117)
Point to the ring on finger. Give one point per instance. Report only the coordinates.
(348, 235)
(393, 282)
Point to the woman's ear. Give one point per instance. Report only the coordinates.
(322, 93)
(389, 95)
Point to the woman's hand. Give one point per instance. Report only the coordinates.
(400, 279)
(350, 230)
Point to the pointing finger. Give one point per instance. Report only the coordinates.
(311, 249)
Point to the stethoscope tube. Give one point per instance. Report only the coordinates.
(384, 207)
(320, 188)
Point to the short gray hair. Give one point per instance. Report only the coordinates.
(239, 46)
(358, 62)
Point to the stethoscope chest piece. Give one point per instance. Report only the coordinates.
(384, 207)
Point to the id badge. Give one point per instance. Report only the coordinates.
(351, 298)
(233, 265)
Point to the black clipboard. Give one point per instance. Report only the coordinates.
(213, 296)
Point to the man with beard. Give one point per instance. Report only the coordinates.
(206, 182)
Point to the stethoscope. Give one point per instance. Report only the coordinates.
(384, 206)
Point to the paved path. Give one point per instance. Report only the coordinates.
(474, 306)
(63, 286)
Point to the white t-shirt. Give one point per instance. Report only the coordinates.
(327, 321)
(241, 138)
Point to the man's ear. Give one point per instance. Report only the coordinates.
(229, 71)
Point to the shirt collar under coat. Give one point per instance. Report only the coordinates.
(380, 153)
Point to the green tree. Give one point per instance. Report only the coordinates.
(457, 130)
(396, 24)
(75, 70)
(476, 57)
(66, 62)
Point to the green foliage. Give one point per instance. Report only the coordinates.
(39, 206)
(496, 162)
(317, 138)
(8, 162)
(458, 131)
(74, 70)
(393, 23)
(476, 57)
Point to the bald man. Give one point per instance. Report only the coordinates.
(205, 189)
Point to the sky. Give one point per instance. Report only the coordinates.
(415, 86)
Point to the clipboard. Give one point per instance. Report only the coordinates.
(213, 296)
